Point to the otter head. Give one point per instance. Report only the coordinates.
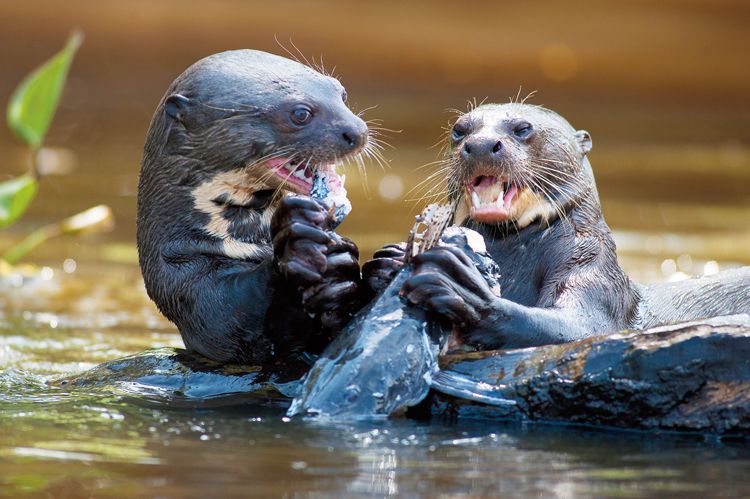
(232, 133)
(271, 119)
(515, 163)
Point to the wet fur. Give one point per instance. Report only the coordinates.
(560, 278)
(205, 202)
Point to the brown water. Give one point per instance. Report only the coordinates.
(662, 87)
(93, 442)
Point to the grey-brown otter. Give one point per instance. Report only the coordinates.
(520, 176)
(225, 254)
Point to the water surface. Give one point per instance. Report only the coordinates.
(95, 441)
(661, 86)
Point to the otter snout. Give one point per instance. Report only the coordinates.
(482, 149)
(353, 134)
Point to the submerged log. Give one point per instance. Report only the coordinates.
(176, 377)
(685, 377)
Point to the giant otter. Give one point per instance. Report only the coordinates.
(226, 253)
(520, 176)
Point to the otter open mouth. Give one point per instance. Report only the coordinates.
(298, 175)
(491, 198)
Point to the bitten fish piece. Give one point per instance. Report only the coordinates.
(329, 188)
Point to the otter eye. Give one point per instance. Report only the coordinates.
(301, 115)
(459, 132)
(522, 130)
(344, 96)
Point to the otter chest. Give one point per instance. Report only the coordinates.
(522, 260)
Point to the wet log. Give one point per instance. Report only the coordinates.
(687, 377)
(691, 377)
(176, 377)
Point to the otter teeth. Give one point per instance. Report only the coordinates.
(500, 199)
(475, 200)
(300, 174)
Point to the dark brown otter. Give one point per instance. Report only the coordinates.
(520, 177)
(225, 252)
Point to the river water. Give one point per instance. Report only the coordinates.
(63, 318)
(94, 442)
(662, 87)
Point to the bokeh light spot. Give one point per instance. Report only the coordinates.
(69, 265)
(711, 267)
(47, 273)
(684, 263)
(668, 267)
(391, 187)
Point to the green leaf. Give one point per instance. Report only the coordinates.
(96, 219)
(32, 106)
(15, 197)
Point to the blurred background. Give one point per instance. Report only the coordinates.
(661, 86)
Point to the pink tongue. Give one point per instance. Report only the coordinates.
(487, 181)
(277, 162)
(509, 196)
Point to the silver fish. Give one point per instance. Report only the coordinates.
(383, 361)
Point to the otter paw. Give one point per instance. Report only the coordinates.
(338, 294)
(333, 302)
(300, 242)
(446, 282)
(385, 264)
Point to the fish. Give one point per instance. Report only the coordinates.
(328, 187)
(385, 358)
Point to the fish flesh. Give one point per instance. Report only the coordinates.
(329, 187)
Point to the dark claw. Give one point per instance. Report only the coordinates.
(340, 244)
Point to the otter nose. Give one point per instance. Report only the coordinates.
(482, 148)
(354, 135)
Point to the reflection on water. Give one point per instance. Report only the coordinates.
(93, 441)
(96, 444)
(88, 305)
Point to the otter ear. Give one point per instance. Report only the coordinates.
(176, 106)
(584, 140)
